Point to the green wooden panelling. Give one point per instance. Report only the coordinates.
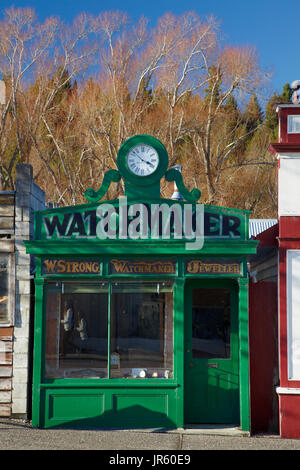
(109, 408)
(244, 354)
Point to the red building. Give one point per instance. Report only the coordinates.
(263, 327)
(287, 151)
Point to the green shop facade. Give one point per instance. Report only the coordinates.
(141, 305)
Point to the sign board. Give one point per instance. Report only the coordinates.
(212, 266)
(123, 266)
(119, 221)
(70, 266)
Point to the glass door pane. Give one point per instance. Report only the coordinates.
(211, 323)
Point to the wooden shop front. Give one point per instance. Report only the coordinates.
(141, 305)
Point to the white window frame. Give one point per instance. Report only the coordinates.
(291, 122)
(293, 318)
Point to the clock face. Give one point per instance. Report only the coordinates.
(142, 160)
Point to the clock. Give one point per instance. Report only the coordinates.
(142, 160)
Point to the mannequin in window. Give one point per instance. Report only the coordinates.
(82, 330)
(68, 323)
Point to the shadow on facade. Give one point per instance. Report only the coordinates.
(133, 417)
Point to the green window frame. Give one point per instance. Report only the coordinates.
(109, 329)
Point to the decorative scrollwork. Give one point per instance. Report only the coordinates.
(110, 176)
(190, 196)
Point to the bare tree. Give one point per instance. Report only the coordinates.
(236, 71)
(172, 81)
(23, 42)
(184, 72)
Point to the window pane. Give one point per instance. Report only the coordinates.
(4, 288)
(211, 323)
(76, 334)
(294, 124)
(142, 329)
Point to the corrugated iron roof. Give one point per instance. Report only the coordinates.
(257, 226)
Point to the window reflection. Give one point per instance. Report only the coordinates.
(140, 323)
(76, 339)
(211, 323)
(142, 330)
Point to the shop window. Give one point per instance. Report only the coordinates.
(142, 329)
(76, 335)
(138, 320)
(6, 289)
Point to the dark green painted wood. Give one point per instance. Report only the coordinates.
(190, 196)
(229, 248)
(86, 212)
(110, 176)
(179, 347)
(244, 353)
(86, 408)
(212, 393)
(37, 406)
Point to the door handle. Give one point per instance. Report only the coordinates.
(192, 365)
(188, 351)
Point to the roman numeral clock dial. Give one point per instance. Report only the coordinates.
(142, 160)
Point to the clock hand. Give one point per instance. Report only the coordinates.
(145, 161)
(148, 163)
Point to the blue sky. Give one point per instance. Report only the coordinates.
(268, 25)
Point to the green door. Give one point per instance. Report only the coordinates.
(211, 352)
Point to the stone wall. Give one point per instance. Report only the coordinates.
(15, 338)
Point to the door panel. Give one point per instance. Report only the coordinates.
(211, 352)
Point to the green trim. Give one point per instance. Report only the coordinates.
(244, 354)
(178, 329)
(38, 352)
(137, 247)
(110, 176)
(109, 383)
(109, 330)
(190, 196)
